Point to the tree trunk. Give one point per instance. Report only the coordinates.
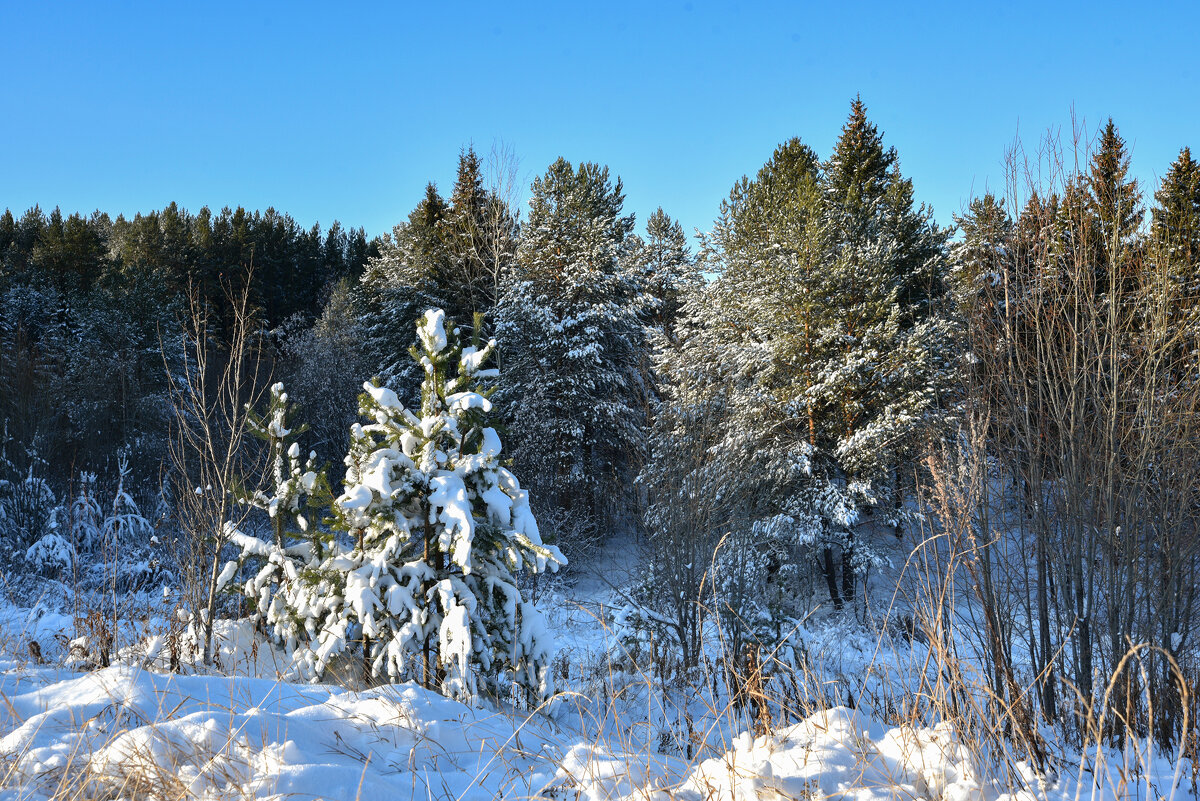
(830, 576)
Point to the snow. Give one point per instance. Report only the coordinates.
(216, 737)
(612, 735)
(473, 359)
(433, 330)
(382, 395)
(227, 574)
(222, 738)
(357, 497)
(465, 401)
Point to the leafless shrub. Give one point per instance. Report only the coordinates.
(217, 383)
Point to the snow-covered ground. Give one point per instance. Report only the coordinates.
(134, 730)
(123, 732)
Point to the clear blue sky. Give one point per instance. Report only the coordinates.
(345, 111)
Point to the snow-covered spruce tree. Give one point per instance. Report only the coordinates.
(421, 584)
(574, 390)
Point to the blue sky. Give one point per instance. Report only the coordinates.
(345, 111)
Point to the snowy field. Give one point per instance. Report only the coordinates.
(134, 730)
(123, 732)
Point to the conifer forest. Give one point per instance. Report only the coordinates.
(531, 497)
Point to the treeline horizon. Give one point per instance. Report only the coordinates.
(141, 269)
(88, 299)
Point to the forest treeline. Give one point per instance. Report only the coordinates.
(828, 373)
(91, 306)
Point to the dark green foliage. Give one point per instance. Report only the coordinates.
(666, 268)
(1114, 198)
(573, 352)
(88, 303)
(450, 255)
(1176, 214)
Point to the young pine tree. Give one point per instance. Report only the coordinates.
(421, 583)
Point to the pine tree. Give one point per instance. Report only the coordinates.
(738, 423)
(437, 528)
(827, 345)
(574, 391)
(292, 496)
(292, 490)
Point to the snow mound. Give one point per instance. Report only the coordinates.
(216, 737)
(123, 730)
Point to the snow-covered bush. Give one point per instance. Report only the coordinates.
(52, 555)
(433, 528)
(26, 508)
(84, 517)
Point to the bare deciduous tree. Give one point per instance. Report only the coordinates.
(1089, 396)
(220, 378)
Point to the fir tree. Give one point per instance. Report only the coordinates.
(1175, 250)
(480, 236)
(888, 264)
(1114, 198)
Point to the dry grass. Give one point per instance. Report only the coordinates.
(925, 678)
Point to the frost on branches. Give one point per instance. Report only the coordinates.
(420, 581)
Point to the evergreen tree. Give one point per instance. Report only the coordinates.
(1175, 252)
(425, 587)
(395, 288)
(827, 345)
(1175, 218)
(574, 390)
(448, 255)
(1100, 214)
(480, 236)
(1114, 198)
(294, 495)
(888, 262)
